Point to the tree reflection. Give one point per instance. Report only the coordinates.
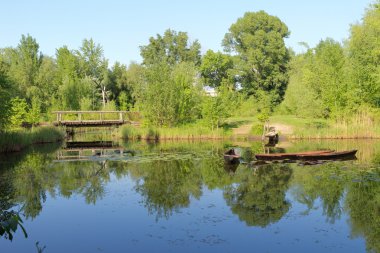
(215, 172)
(327, 183)
(167, 186)
(34, 177)
(363, 205)
(31, 182)
(258, 196)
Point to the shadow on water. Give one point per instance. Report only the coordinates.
(168, 176)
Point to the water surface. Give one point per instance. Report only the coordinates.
(182, 197)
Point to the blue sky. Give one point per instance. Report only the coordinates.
(120, 27)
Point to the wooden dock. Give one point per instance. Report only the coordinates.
(91, 118)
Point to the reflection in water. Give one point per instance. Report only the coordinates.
(85, 178)
(168, 186)
(169, 177)
(9, 222)
(258, 196)
(363, 205)
(326, 183)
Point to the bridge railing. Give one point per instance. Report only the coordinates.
(82, 118)
(93, 115)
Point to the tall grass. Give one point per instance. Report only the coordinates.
(134, 133)
(16, 140)
(362, 125)
(188, 132)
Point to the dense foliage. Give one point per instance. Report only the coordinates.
(262, 57)
(335, 79)
(255, 74)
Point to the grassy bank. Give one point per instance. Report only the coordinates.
(188, 132)
(360, 126)
(16, 140)
(356, 127)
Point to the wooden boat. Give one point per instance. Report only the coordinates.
(329, 156)
(231, 157)
(293, 156)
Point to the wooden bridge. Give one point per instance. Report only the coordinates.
(92, 118)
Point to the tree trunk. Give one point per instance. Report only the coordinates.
(104, 97)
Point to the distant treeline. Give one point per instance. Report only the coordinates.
(250, 77)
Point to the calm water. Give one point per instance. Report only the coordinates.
(181, 197)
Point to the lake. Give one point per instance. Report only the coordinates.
(182, 197)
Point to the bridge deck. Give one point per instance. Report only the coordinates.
(90, 123)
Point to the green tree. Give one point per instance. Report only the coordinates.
(299, 86)
(46, 83)
(364, 55)
(258, 40)
(187, 93)
(18, 112)
(172, 48)
(216, 109)
(95, 67)
(5, 96)
(320, 76)
(215, 67)
(120, 87)
(328, 78)
(34, 114)
(171, 96)
(123, 101)
(136, 83)
(24, 66)
(68, 78)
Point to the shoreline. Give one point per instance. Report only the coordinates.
(16, 141)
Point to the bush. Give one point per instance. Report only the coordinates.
(257, 129)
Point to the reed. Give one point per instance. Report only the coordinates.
(362, 125)
(188, 132)
(12, 141)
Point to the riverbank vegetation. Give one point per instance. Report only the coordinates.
(11, 141)
(333, 88)
(186, 132)
(357, 126)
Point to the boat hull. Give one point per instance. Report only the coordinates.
(291, 156)
(330, 156)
